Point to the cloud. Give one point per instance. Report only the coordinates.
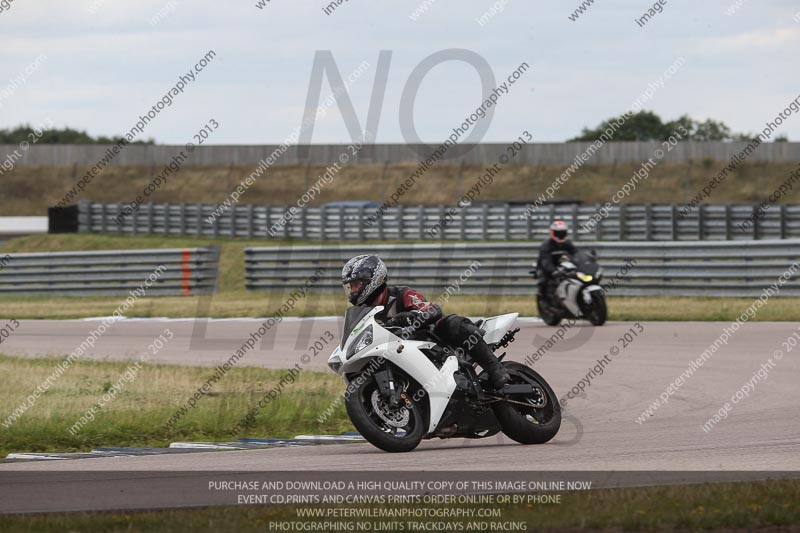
(106, 67)
(760, 40)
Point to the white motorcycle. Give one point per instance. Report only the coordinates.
(402, 391)
(578, 292)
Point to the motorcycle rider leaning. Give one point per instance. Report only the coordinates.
(549, 254)
(364, 278)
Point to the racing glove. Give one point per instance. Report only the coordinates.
(402, 320)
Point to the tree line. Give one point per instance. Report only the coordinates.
(641, 126)
(647, 126)
(58, 136)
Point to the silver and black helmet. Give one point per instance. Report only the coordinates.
(362, 277)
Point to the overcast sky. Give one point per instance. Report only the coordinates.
(105, 64)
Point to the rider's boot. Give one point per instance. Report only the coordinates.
(498, 376)
(480, 352)
(460, 331)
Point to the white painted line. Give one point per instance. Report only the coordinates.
(192, 319)
(34, 457)
(205, 446)
(528, 319)
(349, 438)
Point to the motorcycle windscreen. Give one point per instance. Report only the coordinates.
(586, 263)
(351, 320)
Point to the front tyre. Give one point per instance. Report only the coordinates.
(540, 420)
(398, 429)
(598, 311)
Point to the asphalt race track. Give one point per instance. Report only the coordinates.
(600, 432)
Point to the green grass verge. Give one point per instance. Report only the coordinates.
(146, 400)
(247, 304)
(746, 506)
(232, 300)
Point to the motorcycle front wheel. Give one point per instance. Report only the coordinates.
(392, 429)
(597, 311)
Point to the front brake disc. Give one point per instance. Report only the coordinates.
(397, 418)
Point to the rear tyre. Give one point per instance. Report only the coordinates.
(397, 429)
(536, 424)
(550, 317)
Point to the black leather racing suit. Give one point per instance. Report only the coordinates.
(549, 253)
(407, 308)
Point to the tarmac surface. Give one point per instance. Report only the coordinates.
(606, 427)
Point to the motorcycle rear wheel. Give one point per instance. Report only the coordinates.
(529, 425)
(392, 430)
(547, 315)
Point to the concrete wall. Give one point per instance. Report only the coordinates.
(18, 226)
(553, 153)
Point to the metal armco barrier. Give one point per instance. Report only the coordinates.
(731, 269)
(180, 271)
(436, 223)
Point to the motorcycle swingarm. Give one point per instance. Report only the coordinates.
(517, 388)
(469, 383)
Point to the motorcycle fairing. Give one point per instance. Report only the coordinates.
(497, 326)
(438, 383)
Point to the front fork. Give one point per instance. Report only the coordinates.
(586, 300)
(387, 387)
